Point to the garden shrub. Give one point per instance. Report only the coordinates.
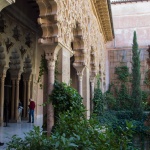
(72, 130)
(98, 99)
(65, 98)
(75, 133)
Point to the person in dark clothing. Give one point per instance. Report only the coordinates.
(31, 110)
(20, 108)
(1, 144)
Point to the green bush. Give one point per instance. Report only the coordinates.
(34, 140)
(72, 130)
(75, 133)
(66, 98)
(122, 73)
(98, 100)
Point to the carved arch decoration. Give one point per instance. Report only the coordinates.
(2, 60)
(93, 63)
(2, 56)
(15, 64)
(78, 47)
(58, 19)
(27, 68)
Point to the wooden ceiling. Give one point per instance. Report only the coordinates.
(126, 1)
(33, 4)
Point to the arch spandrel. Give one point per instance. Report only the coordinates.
(69, 14)
(25, 45)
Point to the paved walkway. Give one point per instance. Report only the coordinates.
(16, 128)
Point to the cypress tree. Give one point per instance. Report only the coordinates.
(98, 99)
(136, 78)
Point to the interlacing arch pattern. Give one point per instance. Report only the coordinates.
(58, 20)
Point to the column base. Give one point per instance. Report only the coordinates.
(1, 124)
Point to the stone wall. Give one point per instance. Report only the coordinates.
(127, 18)
(124, 57)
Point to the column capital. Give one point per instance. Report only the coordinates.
(51, 51)
(79, 69)
(15, 74)
(3, 78)
(26, 76)
(51, 64)
(92, 77)
(3, 72)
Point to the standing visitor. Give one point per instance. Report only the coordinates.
(20, 108)
(31, 110)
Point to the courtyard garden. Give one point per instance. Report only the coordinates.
(119, 120)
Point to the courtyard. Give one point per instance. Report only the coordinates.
(16, 129)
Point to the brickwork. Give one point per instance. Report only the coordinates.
(124, 57)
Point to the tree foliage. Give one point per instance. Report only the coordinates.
(98, 99)
(136, 78)
(122, 73)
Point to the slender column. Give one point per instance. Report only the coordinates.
(2, 101)
(28, 96)
(24, 99)
(50, 109)
(79, 70)
(13, 100)
(17, 100)
(92, 89)
(92, 93)
(80, 84)
(45, 96)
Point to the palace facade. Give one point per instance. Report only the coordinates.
(72, 32)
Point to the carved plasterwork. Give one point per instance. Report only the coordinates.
(74, 21)
(2, 57)
(10, 48)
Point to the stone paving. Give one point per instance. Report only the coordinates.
(16, 128)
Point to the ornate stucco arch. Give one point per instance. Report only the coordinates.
(2, 59)
(66, 21)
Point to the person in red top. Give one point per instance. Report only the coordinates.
(31, 110)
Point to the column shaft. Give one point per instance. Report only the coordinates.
(92, 90)
(17, 100)
(2, 102)
(13, 100)
(24, 99)
(28, 96)
(92, 95)
(50, 109)
(80, 84)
